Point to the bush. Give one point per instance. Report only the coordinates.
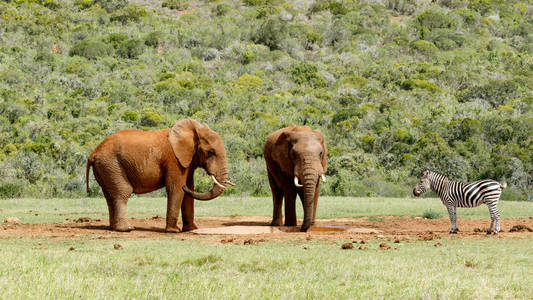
(271, 33)
(431, 214)
(176, 4)
(435, 19)
(424, 47)
(305, 73)
(90, 49)
(150, 117)
(222, 9)
(11, 190)
(153, 39)
(131, 48)
(130, 116)
(410, 84)
(496, 92)
(130, 13)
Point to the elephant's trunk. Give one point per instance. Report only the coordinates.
(217, 189)
(310, 182)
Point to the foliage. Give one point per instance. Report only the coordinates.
(395, 86)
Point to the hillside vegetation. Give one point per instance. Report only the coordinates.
(394, 85)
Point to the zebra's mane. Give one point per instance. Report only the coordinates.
(438, 174)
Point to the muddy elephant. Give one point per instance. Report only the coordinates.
(137, 161)
(296, 160)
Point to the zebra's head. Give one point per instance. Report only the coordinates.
(423, 184)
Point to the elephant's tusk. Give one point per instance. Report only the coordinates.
(323, 178)
(216, 182)
(230, 183)
(296, 182)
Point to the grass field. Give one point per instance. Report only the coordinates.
(55, 210)
(192, 267)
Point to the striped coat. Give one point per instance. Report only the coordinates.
(455, 194)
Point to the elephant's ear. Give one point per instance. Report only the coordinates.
(280, 153)
(324, 149)
(183, 139)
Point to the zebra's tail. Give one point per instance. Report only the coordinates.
(503, 185)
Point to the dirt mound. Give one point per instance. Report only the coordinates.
(520, 228)
(351, 229)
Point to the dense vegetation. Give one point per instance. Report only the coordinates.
(395, 86)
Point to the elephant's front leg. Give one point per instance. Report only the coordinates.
(290, 208)
(277, 199)
(315, 201)
(174, 201)
(187, 208)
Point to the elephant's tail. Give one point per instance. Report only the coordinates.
(90, 162)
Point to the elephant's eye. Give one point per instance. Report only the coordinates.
(210, 153)
(321, 153)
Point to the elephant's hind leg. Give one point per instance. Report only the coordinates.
(117, 211)
(117, 190)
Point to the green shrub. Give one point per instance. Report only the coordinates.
(131, 48)
(431, 214)
(130, 116)
(368, 142)
(90, 49)
(496, 92)
(150, 117)
(222, 9)
(11, 190)
(248, 82)
(306, 73)
(335, 7)
(176, 4)
(445, 39)
(410, 84)
(271, 33)
(116, 39)
(153, 39)
(111, 5)
(424, 47)
(435, 19)
(130, 13)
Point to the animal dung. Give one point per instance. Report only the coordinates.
(117, 246)
(347, 246)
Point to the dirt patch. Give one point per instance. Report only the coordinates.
(394, 228)
(520, 228)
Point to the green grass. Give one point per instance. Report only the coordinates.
(200, 269)
(186, 267)
(55, 210)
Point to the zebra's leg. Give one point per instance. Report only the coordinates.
(494, 218)
(453, 218)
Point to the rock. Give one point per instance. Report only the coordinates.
(71, 249)
(363, 247)
(437, 245)
(347, 246)
(12, 220)
(117, 246)
(520, 228)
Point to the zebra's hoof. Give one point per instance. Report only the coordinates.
(453, 232)
(489, 232)
(495, 233)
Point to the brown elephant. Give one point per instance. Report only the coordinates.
(296, 159)
(137, 161)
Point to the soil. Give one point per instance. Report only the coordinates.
(253, 230)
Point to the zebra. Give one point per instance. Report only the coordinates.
(455, 194)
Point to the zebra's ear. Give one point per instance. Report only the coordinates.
(424, 172)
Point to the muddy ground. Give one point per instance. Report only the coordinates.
(152, 227)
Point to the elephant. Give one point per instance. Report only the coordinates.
(137, 161)
(296, 159)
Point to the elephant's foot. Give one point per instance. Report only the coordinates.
(172, 229)
(189, 227)
(276, 222)
(122, 226)
(290, 223)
